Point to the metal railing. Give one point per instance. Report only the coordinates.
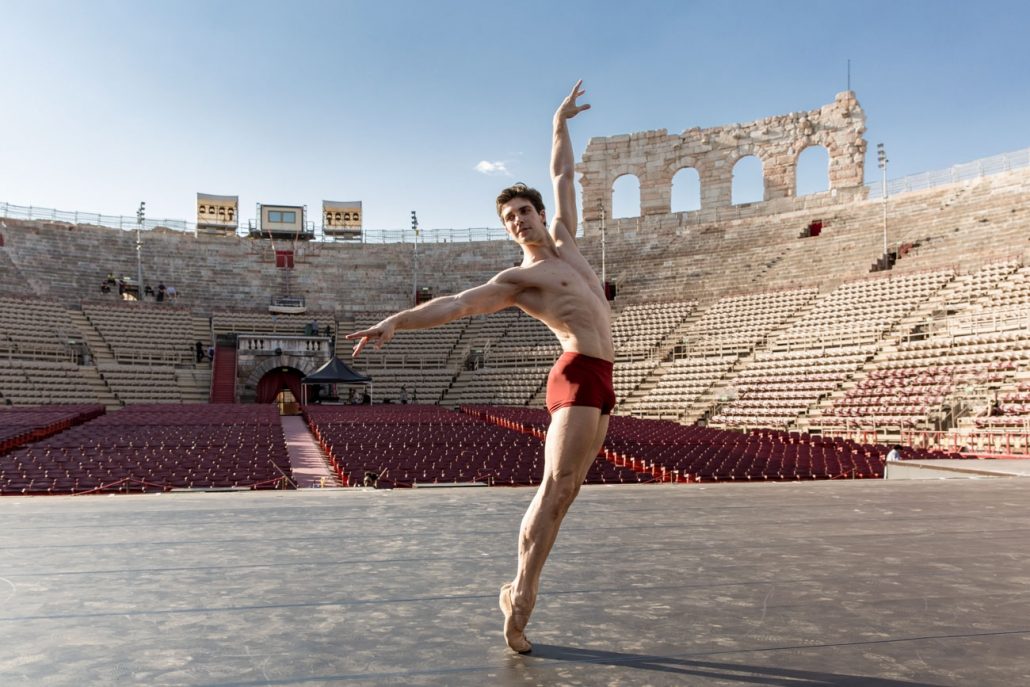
(125, 223)
(996, 164)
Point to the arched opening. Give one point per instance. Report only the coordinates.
(686, 190)
(812, 174)
(748, 182)
(279, 379)
(626, 196)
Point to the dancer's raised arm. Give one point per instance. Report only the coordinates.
(563, 169)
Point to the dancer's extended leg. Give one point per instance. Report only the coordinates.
(573, 440)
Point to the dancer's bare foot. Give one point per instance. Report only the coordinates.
(514, 623)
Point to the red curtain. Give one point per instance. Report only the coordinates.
(273, 382)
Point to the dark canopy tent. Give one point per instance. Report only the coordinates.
(335, 371)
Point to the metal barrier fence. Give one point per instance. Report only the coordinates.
(124, 223)
(996, 164)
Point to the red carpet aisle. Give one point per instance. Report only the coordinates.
(306, 457)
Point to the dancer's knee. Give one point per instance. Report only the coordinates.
(561, 489)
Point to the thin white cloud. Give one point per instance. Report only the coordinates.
(492, 169)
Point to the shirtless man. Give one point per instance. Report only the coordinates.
(555, 284)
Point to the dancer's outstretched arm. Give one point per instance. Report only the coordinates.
(496, 294)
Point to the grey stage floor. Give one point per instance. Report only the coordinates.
(812, 584)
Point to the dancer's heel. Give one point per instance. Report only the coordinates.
(514, 622)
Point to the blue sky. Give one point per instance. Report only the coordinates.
(396, 103)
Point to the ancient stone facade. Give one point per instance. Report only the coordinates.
(259, 354)
(655, 157)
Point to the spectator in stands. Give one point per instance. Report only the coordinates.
(161, 290)
(105, 287)
(172, 293)
(200, 351)
(148, 290)
(404, 395)
(894, 454)
(555, 284)
(110, 279)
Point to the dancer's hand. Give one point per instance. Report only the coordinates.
(568, 108)
(379, 334)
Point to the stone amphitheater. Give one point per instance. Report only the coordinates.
(783, 314)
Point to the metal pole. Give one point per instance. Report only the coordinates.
(604, 272)
(881, 158)
(414, 263)
(140, 213)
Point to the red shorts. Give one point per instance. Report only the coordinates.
(580, 380)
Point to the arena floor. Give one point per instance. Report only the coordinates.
(818, 584)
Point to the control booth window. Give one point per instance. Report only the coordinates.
(282, 217)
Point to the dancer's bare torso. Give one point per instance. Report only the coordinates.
(564, 293)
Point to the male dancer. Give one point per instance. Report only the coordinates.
(555, 284)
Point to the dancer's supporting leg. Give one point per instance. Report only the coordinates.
(573, 441)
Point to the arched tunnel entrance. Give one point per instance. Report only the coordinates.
(281, 385)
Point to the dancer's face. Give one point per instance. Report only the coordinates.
(523, 222)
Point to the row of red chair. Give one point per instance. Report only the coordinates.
(406, 446)
(19, 426)
(155, 448)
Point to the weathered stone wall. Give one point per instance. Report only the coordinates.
(655, 157)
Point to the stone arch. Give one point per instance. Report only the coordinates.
(277, 379)
(748, 183)
(303, 364)
(622, 194)
(812, 170)
(685, 195)
(654, 156)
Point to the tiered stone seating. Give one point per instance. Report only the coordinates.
(627, 376)
(140, 384)
(145, 334)
(977, 285)
(860, 312)
(903, 397)
(514, 386)
(424, 386)
(639, 329)
(525, 341)
(779, 386)
(34, 382)
(12, 282)
(1012, 410)
(685, 382)
(421, 348)
(738, 323)
(33, 328)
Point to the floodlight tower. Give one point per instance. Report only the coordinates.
(414, 263)
(140, 216)
(881, 159)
